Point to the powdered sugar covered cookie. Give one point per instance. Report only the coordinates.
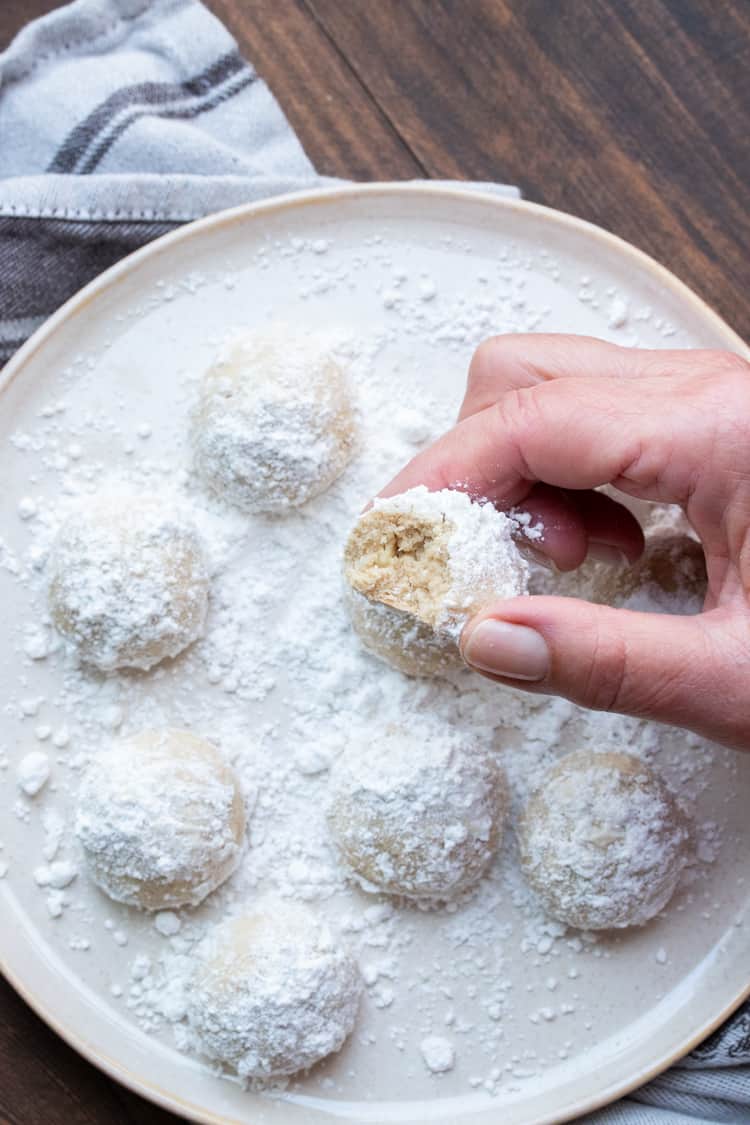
(602, 841)
(272, 992)
(128, 582)
(273, 426)
(419, 815)
(161, 819)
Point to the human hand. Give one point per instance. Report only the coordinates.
(545, 420)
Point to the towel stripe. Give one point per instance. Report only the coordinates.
(75, 147)
(45, 261)
(241, 81)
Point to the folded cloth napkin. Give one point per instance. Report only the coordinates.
(121, 119)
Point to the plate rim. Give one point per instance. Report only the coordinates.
(315, 196)
(77, 303)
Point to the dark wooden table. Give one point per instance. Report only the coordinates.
(630, 113)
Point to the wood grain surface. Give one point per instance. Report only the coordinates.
(633, 114)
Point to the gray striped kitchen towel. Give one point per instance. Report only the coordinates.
(121, 119)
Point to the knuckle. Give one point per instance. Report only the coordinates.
(615, 678)
(728, 364)
(728, 374)
(656, 697)
(518, 416)
(606, 683)
(485, 358)
(519, 411)
(730, 397)
(496, 353)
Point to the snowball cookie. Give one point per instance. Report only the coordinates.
(436, 556)
(401, 640)
(273, 426)
(592, 581)
(669, 577)
(128, 582)
(602, 842)
(161, 819)
(419, 815)
(272, 993)
(664, 518)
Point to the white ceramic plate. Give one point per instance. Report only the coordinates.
(363, 257)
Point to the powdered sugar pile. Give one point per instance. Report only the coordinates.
(438, 1053)
(33, 772)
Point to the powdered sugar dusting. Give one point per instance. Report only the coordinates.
(279, 681)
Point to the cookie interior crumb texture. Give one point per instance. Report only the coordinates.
(401, 560)
(603, 842)
(438, 556)
(274, 423)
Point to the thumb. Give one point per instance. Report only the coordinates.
(683, 670)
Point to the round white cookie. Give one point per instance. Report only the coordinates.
(161, 819)
(273, 426)
(419, 815)
(602, 841)
(128, 582)
(272, 992)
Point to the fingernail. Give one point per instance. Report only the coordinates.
(606, 553)
(507, 650)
